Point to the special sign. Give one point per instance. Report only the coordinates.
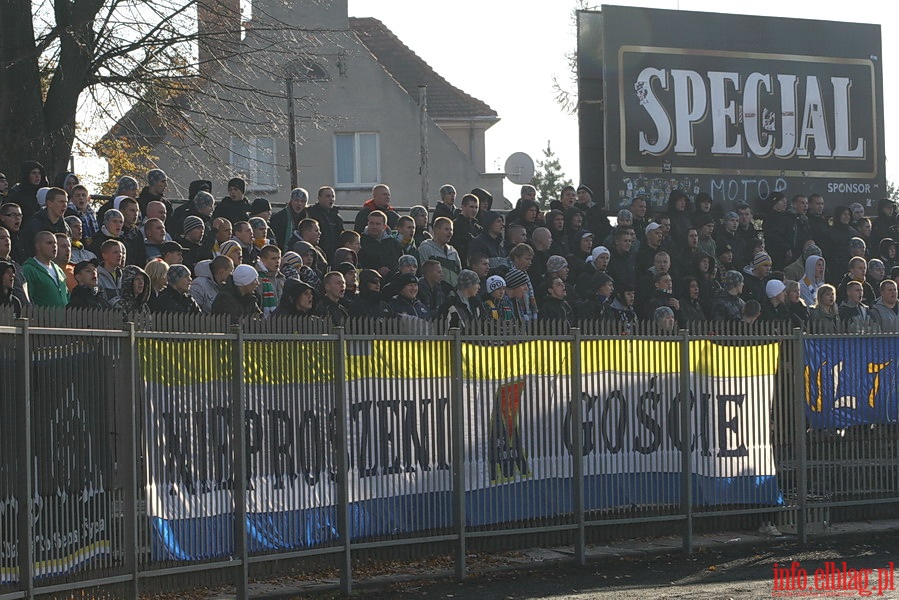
(735, 106)
(766, 114)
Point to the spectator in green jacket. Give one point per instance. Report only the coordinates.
(46, 281)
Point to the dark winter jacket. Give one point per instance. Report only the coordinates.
(171, 300)
(24, 193)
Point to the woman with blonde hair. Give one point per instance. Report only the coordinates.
(157, 270)
(798, 309)
(824, 316)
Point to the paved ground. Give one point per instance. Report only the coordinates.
(728, 566)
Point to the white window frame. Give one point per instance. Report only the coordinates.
(252, 167)
(357, 182)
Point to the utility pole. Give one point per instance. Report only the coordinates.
(423, 132)
(291, 135)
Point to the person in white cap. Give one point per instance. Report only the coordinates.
(597, 262)
(238, 297)
(775, 309)
(654, 233)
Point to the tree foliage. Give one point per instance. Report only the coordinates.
(892, 191)
(116, 56)
(548, 177)
(566, 93)
(124, 157)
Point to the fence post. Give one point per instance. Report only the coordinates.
(685, 437)
(343, 495)
(577, 443)
(458, 424)
(238, 418)
(799, 432)
(127, 424)
(26, 459)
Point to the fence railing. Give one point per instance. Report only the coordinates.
(145, 454)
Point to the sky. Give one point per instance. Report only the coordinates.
(507, 52)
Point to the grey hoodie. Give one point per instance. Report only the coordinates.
(887, 318)
(808, 286)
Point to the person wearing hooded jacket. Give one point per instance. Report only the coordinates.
(885, 220)
(729, 306)
(134, 296)
(490, 241)
(485, 202)
(203, 288)
(66, 181)
(836, 248)
(815, 268)
(780, 230)
(405, 302)
(886, 252)
(32, 177)
(7, 287)
(368, 302)
(678, 211)
(297, 300)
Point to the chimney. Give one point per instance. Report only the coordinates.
(302, 14)
(218, 33)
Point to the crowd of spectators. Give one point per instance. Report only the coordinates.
(459, 264)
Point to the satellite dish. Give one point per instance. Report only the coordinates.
(519, 168)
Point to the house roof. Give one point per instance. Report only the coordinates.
(445, 101)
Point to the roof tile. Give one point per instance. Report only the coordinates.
(445, 101)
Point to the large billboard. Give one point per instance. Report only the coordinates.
(732, 105)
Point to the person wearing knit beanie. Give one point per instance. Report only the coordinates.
(238, 184)
(244, 275)
(192, 222)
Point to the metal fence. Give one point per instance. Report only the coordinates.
(148, 454)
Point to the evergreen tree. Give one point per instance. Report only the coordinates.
(892, 191)
(549, 178)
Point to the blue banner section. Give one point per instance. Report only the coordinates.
(851, 381)
(205, 538)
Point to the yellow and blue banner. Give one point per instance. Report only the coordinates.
(851, 381)
(517, 420)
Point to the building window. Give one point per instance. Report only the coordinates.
(253, 158)
(357, 159)
(306, 70)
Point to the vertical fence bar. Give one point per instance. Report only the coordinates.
(26, 449)
(238, 418)
(577, 443)
(799, 432)
(458, 412)
(128, 463)
(685, 434)
(343, 496)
